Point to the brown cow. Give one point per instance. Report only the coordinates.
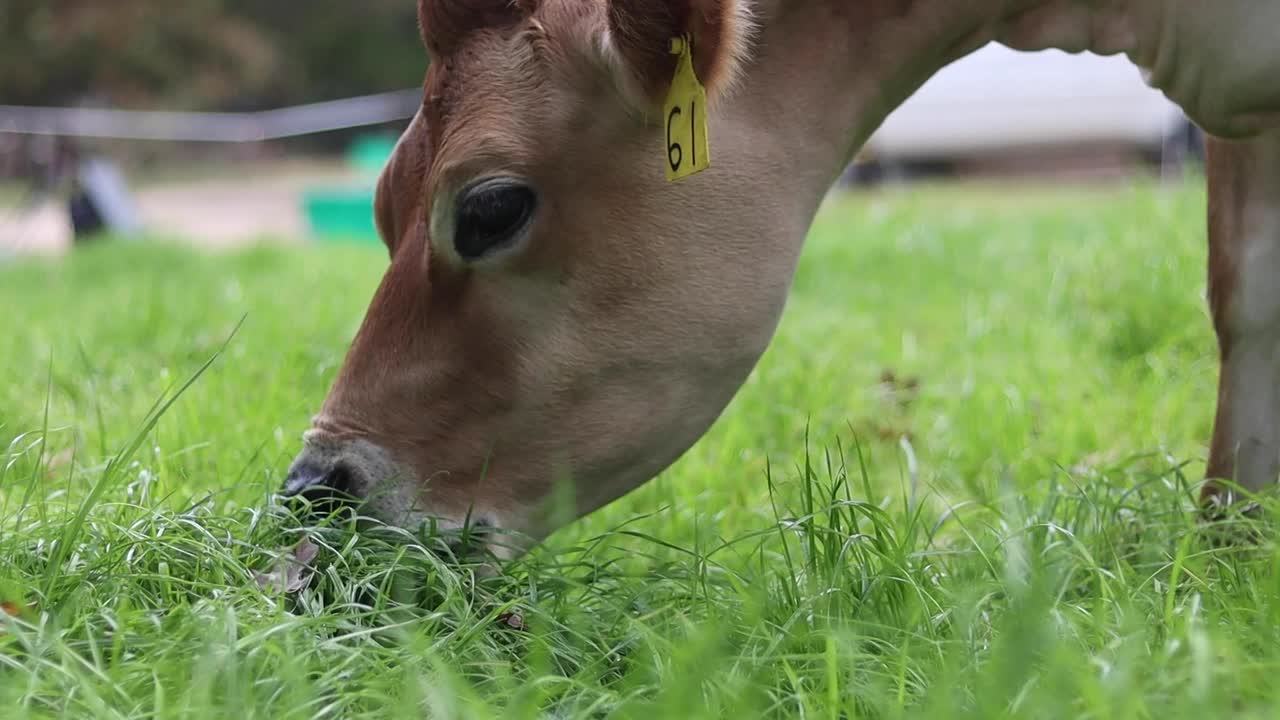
(556, 310)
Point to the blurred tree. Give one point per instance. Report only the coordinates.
(338, 48)
(205, 54)
(129, 52)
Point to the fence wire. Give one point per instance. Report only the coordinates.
(249, 127)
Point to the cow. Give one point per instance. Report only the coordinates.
(573, 297)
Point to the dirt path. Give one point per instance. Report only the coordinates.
(257, 204)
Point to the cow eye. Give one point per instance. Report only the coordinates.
(491, 215)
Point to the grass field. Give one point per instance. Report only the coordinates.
(958, 486)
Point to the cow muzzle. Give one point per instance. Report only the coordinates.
(333, 475)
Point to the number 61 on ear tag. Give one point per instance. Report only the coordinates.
(688, 152)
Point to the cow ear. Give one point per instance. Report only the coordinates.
(398, 204)
(640, 34)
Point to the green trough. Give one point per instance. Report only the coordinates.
(338, 215)
(345, 214)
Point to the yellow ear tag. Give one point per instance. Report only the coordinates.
(688, 152)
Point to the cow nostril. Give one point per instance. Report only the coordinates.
(322, 490)
(303, 478)
(339, 480)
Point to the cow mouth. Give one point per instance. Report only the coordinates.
(337, 502)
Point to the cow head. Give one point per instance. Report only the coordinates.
(556, 313)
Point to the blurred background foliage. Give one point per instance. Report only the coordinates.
(205, 54)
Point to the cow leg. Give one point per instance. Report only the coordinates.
(1244, 296)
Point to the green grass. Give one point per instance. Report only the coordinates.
(1002, 528)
